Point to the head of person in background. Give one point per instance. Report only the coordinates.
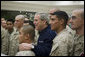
(58, 21)
(2, 19)
(19, 20)
(3, 24)
(52, 11)
(10, 25)
(29, 22)
(26, 18)
(41, 21)
(68, 23)
(26, 34)
(77, 21)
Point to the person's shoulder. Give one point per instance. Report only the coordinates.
(49, 31)
(25, 53)
(3, 54)
(64, 35)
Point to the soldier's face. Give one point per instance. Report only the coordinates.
(76, 21)
(4, 25)
(54, 22)
(9, 25)
(2, 19)
(18, 22)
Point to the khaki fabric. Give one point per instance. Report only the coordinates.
(25, 53)
(4, 41)
(36, 37)
(14, 43)
(78, 45)
(62, 44)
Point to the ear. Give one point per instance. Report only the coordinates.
(27, 36)
(44, 21)
(83, 21)
(61, 21)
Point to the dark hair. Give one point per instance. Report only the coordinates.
(30, 22)
(11, 20)
(62, 15)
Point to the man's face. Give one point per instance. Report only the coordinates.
(54, 22)
(18, 23)
(4, 25)
(9, 25)
(38, 23)
(2, 19)
(76, 20)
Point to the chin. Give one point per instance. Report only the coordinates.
(52, 29)
(36, 28)
(72, 28)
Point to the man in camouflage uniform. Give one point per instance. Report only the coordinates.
(4, 41)
(10, 26)
(14, 43)
(77, 22)
(63, 42)
(72, 32)
(14, 39)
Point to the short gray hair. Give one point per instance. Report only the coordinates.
(43, 16)
(21, 17)
(81, 11)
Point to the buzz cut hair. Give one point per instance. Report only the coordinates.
(21, 17)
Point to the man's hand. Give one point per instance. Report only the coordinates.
(25, 46)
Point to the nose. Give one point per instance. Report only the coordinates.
(70, 21)
(50, 22)
(15, 22)
(34, 22)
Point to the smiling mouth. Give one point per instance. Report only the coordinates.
(72, 24)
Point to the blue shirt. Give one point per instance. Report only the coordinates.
(44, 43)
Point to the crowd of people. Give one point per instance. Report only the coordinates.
(50, 34)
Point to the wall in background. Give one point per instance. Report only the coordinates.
(29, 7)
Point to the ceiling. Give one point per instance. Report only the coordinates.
(41, 6)
(54, 2)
